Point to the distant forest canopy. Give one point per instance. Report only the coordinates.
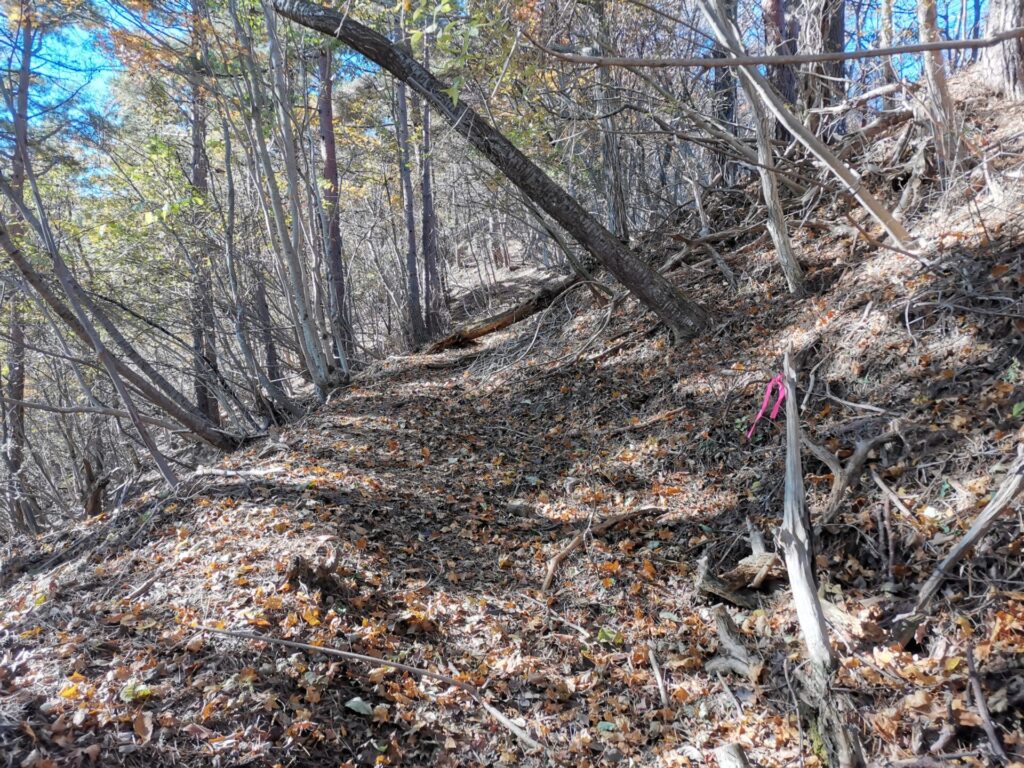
(212, 216)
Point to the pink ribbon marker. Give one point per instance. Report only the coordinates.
(776, 382)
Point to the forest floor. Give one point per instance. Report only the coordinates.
(416, 518)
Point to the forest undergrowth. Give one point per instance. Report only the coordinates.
(445, 512)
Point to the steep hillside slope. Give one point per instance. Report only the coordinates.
(417, 519)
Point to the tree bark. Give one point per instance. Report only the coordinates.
(780, 40)
(204, 344)
(433, 292)
(683, 317)
(940, 107)
(413, 304)
(1003, 65)
(341, 327)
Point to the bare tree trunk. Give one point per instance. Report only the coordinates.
(725, 97)
(271, 386)
(780, 40)
(341, 326)
(433, 292)
(605, 104)
(683, 317)
(776, 222)
(822, 85)
(414, 308)
(1003, 65)
(886, 40)
(19, 503)
(204, 343)
(266, 329)
(289, 234)
(940, 107)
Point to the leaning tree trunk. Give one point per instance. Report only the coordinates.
(1003, 65)
(683, 317)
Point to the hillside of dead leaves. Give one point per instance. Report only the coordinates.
(417, 517)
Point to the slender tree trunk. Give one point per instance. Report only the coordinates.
(433, 292)
(414, 308)
(289, 239)
(886, 41)
(683, 317)
(605, 104)
(341, 326)
(940, 106)
(266, 330)
(19, 502)
(823, 84)
(272, 388)
(204, 342)
(20, 505)
(724, 100)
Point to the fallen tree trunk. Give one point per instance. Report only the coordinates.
(541, 300)
(683, 317)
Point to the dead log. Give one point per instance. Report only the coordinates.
(541, 300)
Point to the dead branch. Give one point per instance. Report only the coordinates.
(754, 569)
(732, 655)
(982, 705)
(541, 300)
(709, 584)
(580, 537)
(731, 756)
(906, 625)
(847, 475)
(803, 58)
(658, 677)
(472, 690)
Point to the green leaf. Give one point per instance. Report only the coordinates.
(133, 690)
(360, 706)
(1018, 409)
(613, 636)
(606, 727)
